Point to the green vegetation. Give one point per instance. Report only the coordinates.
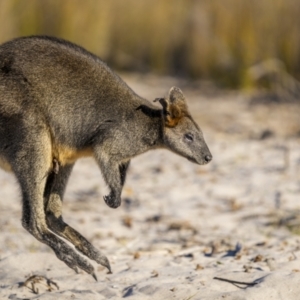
(204, 39)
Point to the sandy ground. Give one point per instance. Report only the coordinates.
(182, 229)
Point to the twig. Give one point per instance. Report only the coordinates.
(36, 279)
(235, 282)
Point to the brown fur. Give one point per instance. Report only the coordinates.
(66, 155)
(175, 114)
(5, 165)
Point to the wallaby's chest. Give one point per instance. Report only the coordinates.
(66, 155)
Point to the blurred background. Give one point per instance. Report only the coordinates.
(199, 40)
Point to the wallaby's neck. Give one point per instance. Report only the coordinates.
(149, 121)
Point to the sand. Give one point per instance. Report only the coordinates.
(182, 229)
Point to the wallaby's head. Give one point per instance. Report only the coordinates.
(181, 133)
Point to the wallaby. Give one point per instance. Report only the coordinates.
(58, 102)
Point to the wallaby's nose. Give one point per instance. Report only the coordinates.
(208, 158)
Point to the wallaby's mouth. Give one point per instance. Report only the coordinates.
(205, 160)
(191, 159)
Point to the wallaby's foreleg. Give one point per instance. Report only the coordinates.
(31, 164)
(114, 175)
(54, 192)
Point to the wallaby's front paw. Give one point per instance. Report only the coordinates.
(112, 201)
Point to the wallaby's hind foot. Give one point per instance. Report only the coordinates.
(54, 192)
(62, 229)
(67, 254)
(62, 250)
(85, 247)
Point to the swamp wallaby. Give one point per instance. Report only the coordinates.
(58, 102)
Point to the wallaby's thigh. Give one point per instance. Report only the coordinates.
(30, 157)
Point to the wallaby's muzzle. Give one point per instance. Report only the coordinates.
(202, 157)
(208, 158)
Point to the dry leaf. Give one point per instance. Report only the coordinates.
(127, 221)
(154, 273)
(258, 258)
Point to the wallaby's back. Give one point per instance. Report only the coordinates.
(57, 79)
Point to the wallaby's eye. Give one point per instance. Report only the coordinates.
(189, 137)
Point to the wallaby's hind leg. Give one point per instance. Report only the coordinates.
(31, 164)
(54, 192)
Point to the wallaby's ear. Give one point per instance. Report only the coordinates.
(174, 106)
